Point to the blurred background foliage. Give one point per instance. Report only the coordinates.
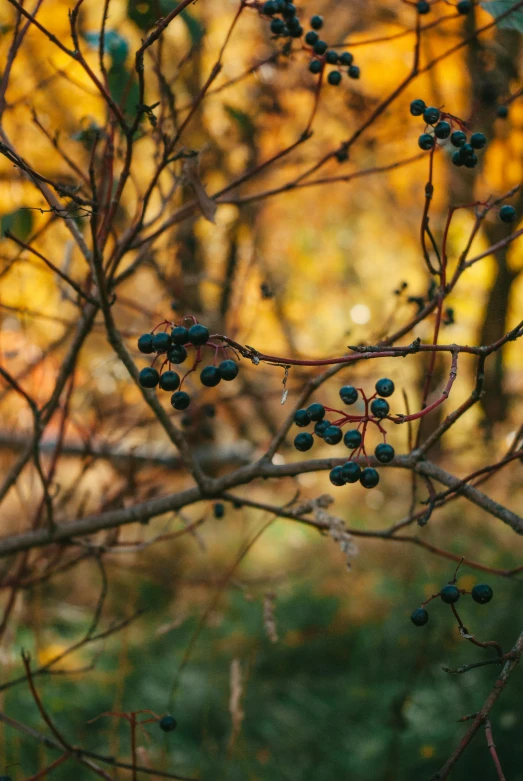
(350, 688)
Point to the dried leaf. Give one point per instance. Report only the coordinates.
(191, 175)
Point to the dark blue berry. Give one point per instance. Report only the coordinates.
(311, 38)
(417, 107)
(351, 472)
(277, 26)
(180, 400)
(369, 478)
(456, 159)
(168, 723)
(352, 439)
(384, 387)
(470, 161)
(336, 476)
(348, 394)
(6, 778)
(296, 30)
(419, 617)
(289, 11)
(346, 58)
(458, 138)
(384, 453)
(426, 141)
(442, 130)
(176, 354)
(478, 140)
(317, 22)
(302, 418)
(423, 7)
(331, 57)
(198, 334)
(228, 370)
(316, 411)
(269, 8)
(482, 593)
(465, 6)
(149, 377)
(315, 66)
(502, 112)
(161, 342)
(334, 78)
(321, 426)
(169, 381)
(332, 435)
(431, 115)
(303, 441)
(450, 594)
(145, 345)
(218, 510)
(320, 47)
(210, 376)
(354, 72)
(379, 408)
(179, 335)
(467, 150)
(507, 213)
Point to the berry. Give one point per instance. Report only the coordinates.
(210, 376)
(269, 8)
(336, 476)
(228, 370)
(431, 115)
(482, 593)
(450, 594)
(218, 510)
(180, 400)
(311, 38)
(417, 107)
(149, 377)
(161, 342)
(384, 453)
(442, 130)
(168, 724)
(316, 411)
(320, 47)
(332, 435)
(419, 617)
(352, 439)
(456, 159)
(478, 140)
(169, 381)
(6, 778)
(384, 387)
(315, 66)
(334, 78)
(303, 441)
(321, 427)
(348, 394)
(289, 11)
(380, 408)
(179, 335)
(351, 472)
(198, 334)
(346, 58)
(467, 150)
(331, 57)
(369, 478)
(295, 31)
(458, 138)
(465, 6)
(177, 354)
(354, 72)
(317, 22)
(423, 7)
(302, 417)
(507, 213)
(145, 344)
(502, 112)
(426, 141)
(277, 26)
(471, 161)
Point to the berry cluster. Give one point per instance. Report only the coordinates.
(174, 347)
(325, 56)
(376, 408)
(482, 593)
(441, 125)
(463, 7)
(284, 22)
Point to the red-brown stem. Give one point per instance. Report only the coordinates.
(492, 748)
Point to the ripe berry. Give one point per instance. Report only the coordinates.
(450, 594)
(316, 411)
(320, 47)
(311, 38)
(332, 435)
(419, 617)
(507, 213)
(210, 376)
(431, 115)
(289, 11)
(315, 66)
(380, 408)
(458, 138)
(384, 387)
(354, 72)
(471, 161)
(348, 394)
(180, 400)
(456, 159)
(336, 476)
(303, 441)
(302, 417)
(145, 345)
(352, 439)
(169, 381)
(417, 107)
(331, 57)
(502, 112)
(442, 130)
(384, 453)
(482, 593)
(423, 7)
(321, 427)
(465, 6)
(218, 510)
(149, 377)
(295, 30)
(478, 140)
(369, 478)
(269, 8)
(334, 78)
(228, 370)
(426, 141)
(161, 342)
(317, 22)
(6, 778)
(277, 26)
(346, 58)
(179, 335)
(467, 150)
(351, 472)
(168, 723)
(198, 334)
(177, 354)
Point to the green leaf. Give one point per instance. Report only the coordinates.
(115, 45)
(513, 21)
(123, 87)
(19, 223)
(195, 28)
(242, 119)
